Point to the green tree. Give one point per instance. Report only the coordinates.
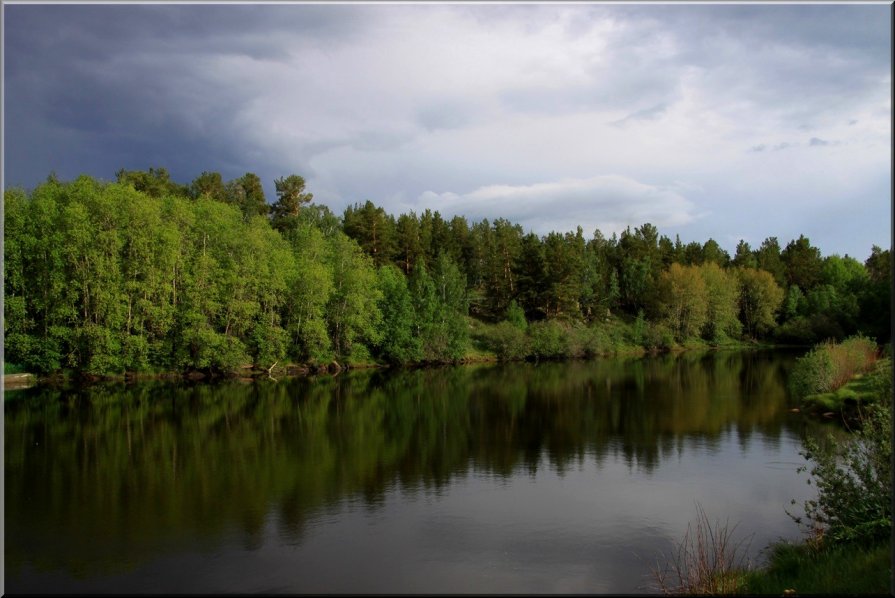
(712, 252)
(209, 185)
(440, 304)
(744, 257)
(564, 258)
(854, 479)
(399, 343)
(352, 312)
(247, 193)
(308, 294)
(291, 196)
(449, 334)
(531, 277)
(683, 303)
(501, 284)
(768, 258)
(721, 293)
(373, 230)
(155, 182)
(803, 264)
(637, 261)
(759, 299)
(875, 301)
(409, 249)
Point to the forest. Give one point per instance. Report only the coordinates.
(148, 275)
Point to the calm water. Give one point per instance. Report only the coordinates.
(524, 478)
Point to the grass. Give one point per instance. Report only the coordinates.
(861, 389)
(707, 562)
(809, 569)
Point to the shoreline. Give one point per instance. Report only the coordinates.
(247, 373)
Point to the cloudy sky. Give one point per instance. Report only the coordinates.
(723, 121)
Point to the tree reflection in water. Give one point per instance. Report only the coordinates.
(104, 478)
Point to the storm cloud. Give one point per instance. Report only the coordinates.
(602, 116)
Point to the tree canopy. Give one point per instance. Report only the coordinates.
(146, 274)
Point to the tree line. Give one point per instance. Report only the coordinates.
(146, 274)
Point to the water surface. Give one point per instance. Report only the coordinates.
(519, 478)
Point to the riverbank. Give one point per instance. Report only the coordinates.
(838, 380)
(849, 521)
(809, 568)
(861, 389)
(474, 355)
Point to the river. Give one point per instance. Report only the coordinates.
(518, 478)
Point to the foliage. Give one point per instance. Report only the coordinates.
(854, 478)
(147, 274)
(352, 311)
(399, 343)
(516, 316)
(721, 303)
(682, 300)
(506, 341)
(548, 340)
(291, 195)
(309, 292)
(759, 299)
(830, 365)
(659, 337)
(854, 482)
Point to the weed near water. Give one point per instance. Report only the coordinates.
(708, 560)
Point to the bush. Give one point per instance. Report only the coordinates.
(548, 340)
(854, 480)
(829, 365)
(585, 341)
(506, 340)
(659, 338)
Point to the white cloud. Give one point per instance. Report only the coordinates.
(607, 202)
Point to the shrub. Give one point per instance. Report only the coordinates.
(548, 340)
(812, 373)
(659, 338)
(506, 340)
(516, 316)
(854, 480)
(829, 365)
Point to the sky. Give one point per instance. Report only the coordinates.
(724, 121)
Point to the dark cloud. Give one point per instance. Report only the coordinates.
(387, 101)
(93, 88)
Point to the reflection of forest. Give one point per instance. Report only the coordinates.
(113, 475)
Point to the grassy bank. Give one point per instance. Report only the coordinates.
(810, 569)
(848, 523)
(861, 389)
(838, 377)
